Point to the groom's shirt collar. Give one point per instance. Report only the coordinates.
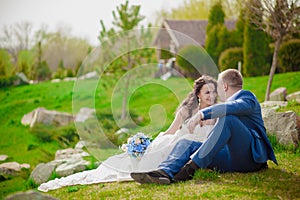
(233, 96)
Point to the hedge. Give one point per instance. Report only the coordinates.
(230, 58)
(289, 56)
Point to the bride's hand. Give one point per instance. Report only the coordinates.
(192, 124)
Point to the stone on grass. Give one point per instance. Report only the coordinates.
(293, 96)
(42, 172)
(29, 195)
(278, 95)
(274, 104)
(84, 114)
(71, 166)
(47, 117)
(68, 153)
(284, 125)
(3, 157)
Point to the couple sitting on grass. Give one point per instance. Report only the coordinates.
(228, 137)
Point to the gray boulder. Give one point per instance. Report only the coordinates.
(42, 172)
(29, 195)
(69, 153)
(67, 162)
(293, 96)
(84, 114)
(284, 125)
(11, 169)
(274, 104)
(71, 166)
(48, 117)
(3, 157)
(278, 95)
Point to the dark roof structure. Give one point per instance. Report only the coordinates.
(184, 32)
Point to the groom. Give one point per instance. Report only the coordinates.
(238, 142)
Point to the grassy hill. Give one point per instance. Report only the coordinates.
(22, 144)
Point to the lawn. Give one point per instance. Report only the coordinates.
(158, 98)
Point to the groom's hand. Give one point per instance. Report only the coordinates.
(194, 121)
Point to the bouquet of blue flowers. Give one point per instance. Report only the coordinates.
(136, 145)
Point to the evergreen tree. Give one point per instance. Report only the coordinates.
(240, 24)
(6, 66)
(256, 49)
(216, 16)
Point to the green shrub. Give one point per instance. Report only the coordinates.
(289, 56)
(193, 61)
(166, 54)
(65, 135)
(6, 81)
(230, 58)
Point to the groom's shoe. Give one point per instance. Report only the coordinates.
(157, 177)
(186, 172)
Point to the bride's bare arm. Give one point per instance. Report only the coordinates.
(176, 124)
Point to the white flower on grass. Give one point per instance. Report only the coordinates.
(124, 147)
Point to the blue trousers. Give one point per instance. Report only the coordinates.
(227, 149)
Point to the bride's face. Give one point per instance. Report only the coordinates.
(207, 95)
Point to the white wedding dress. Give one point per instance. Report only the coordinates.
(118, 167)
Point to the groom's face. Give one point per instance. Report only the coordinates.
(220, 89)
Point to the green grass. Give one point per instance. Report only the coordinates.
(278, 182)
(23, 146)
(258, 85)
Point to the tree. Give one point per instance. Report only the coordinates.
(16, 38)
(26, 61)
(59, 46)
(216, 16)
(217, 33)
(6, 67)
(240, 25)
(127, 18)
(198, 10)
(280, 18)
(256, 48)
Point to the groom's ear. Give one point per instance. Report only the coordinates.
(225, 86)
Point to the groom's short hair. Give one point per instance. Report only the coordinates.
(232, 77)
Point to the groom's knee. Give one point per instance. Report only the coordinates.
(231, 120)
(184, 142)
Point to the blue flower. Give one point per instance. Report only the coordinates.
(136, 145)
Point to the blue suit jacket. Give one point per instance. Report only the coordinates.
(247, 108)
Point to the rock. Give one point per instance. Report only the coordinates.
(21, 79)
(278, 95)
(72, 165)
(293, 96)
(90, 75)
(29, 195)
(48, 117)
(42, 172)
(70, 79)
(11, 168)
(80, 145)
(27, 118)
(67, 162)
(84, 114)
(25, 166)
(283, 125)
(274, 104)
(68, 153)
(57, 80)
(3, 157)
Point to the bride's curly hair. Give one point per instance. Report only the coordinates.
(191, 102)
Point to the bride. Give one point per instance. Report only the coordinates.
(118, 167)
